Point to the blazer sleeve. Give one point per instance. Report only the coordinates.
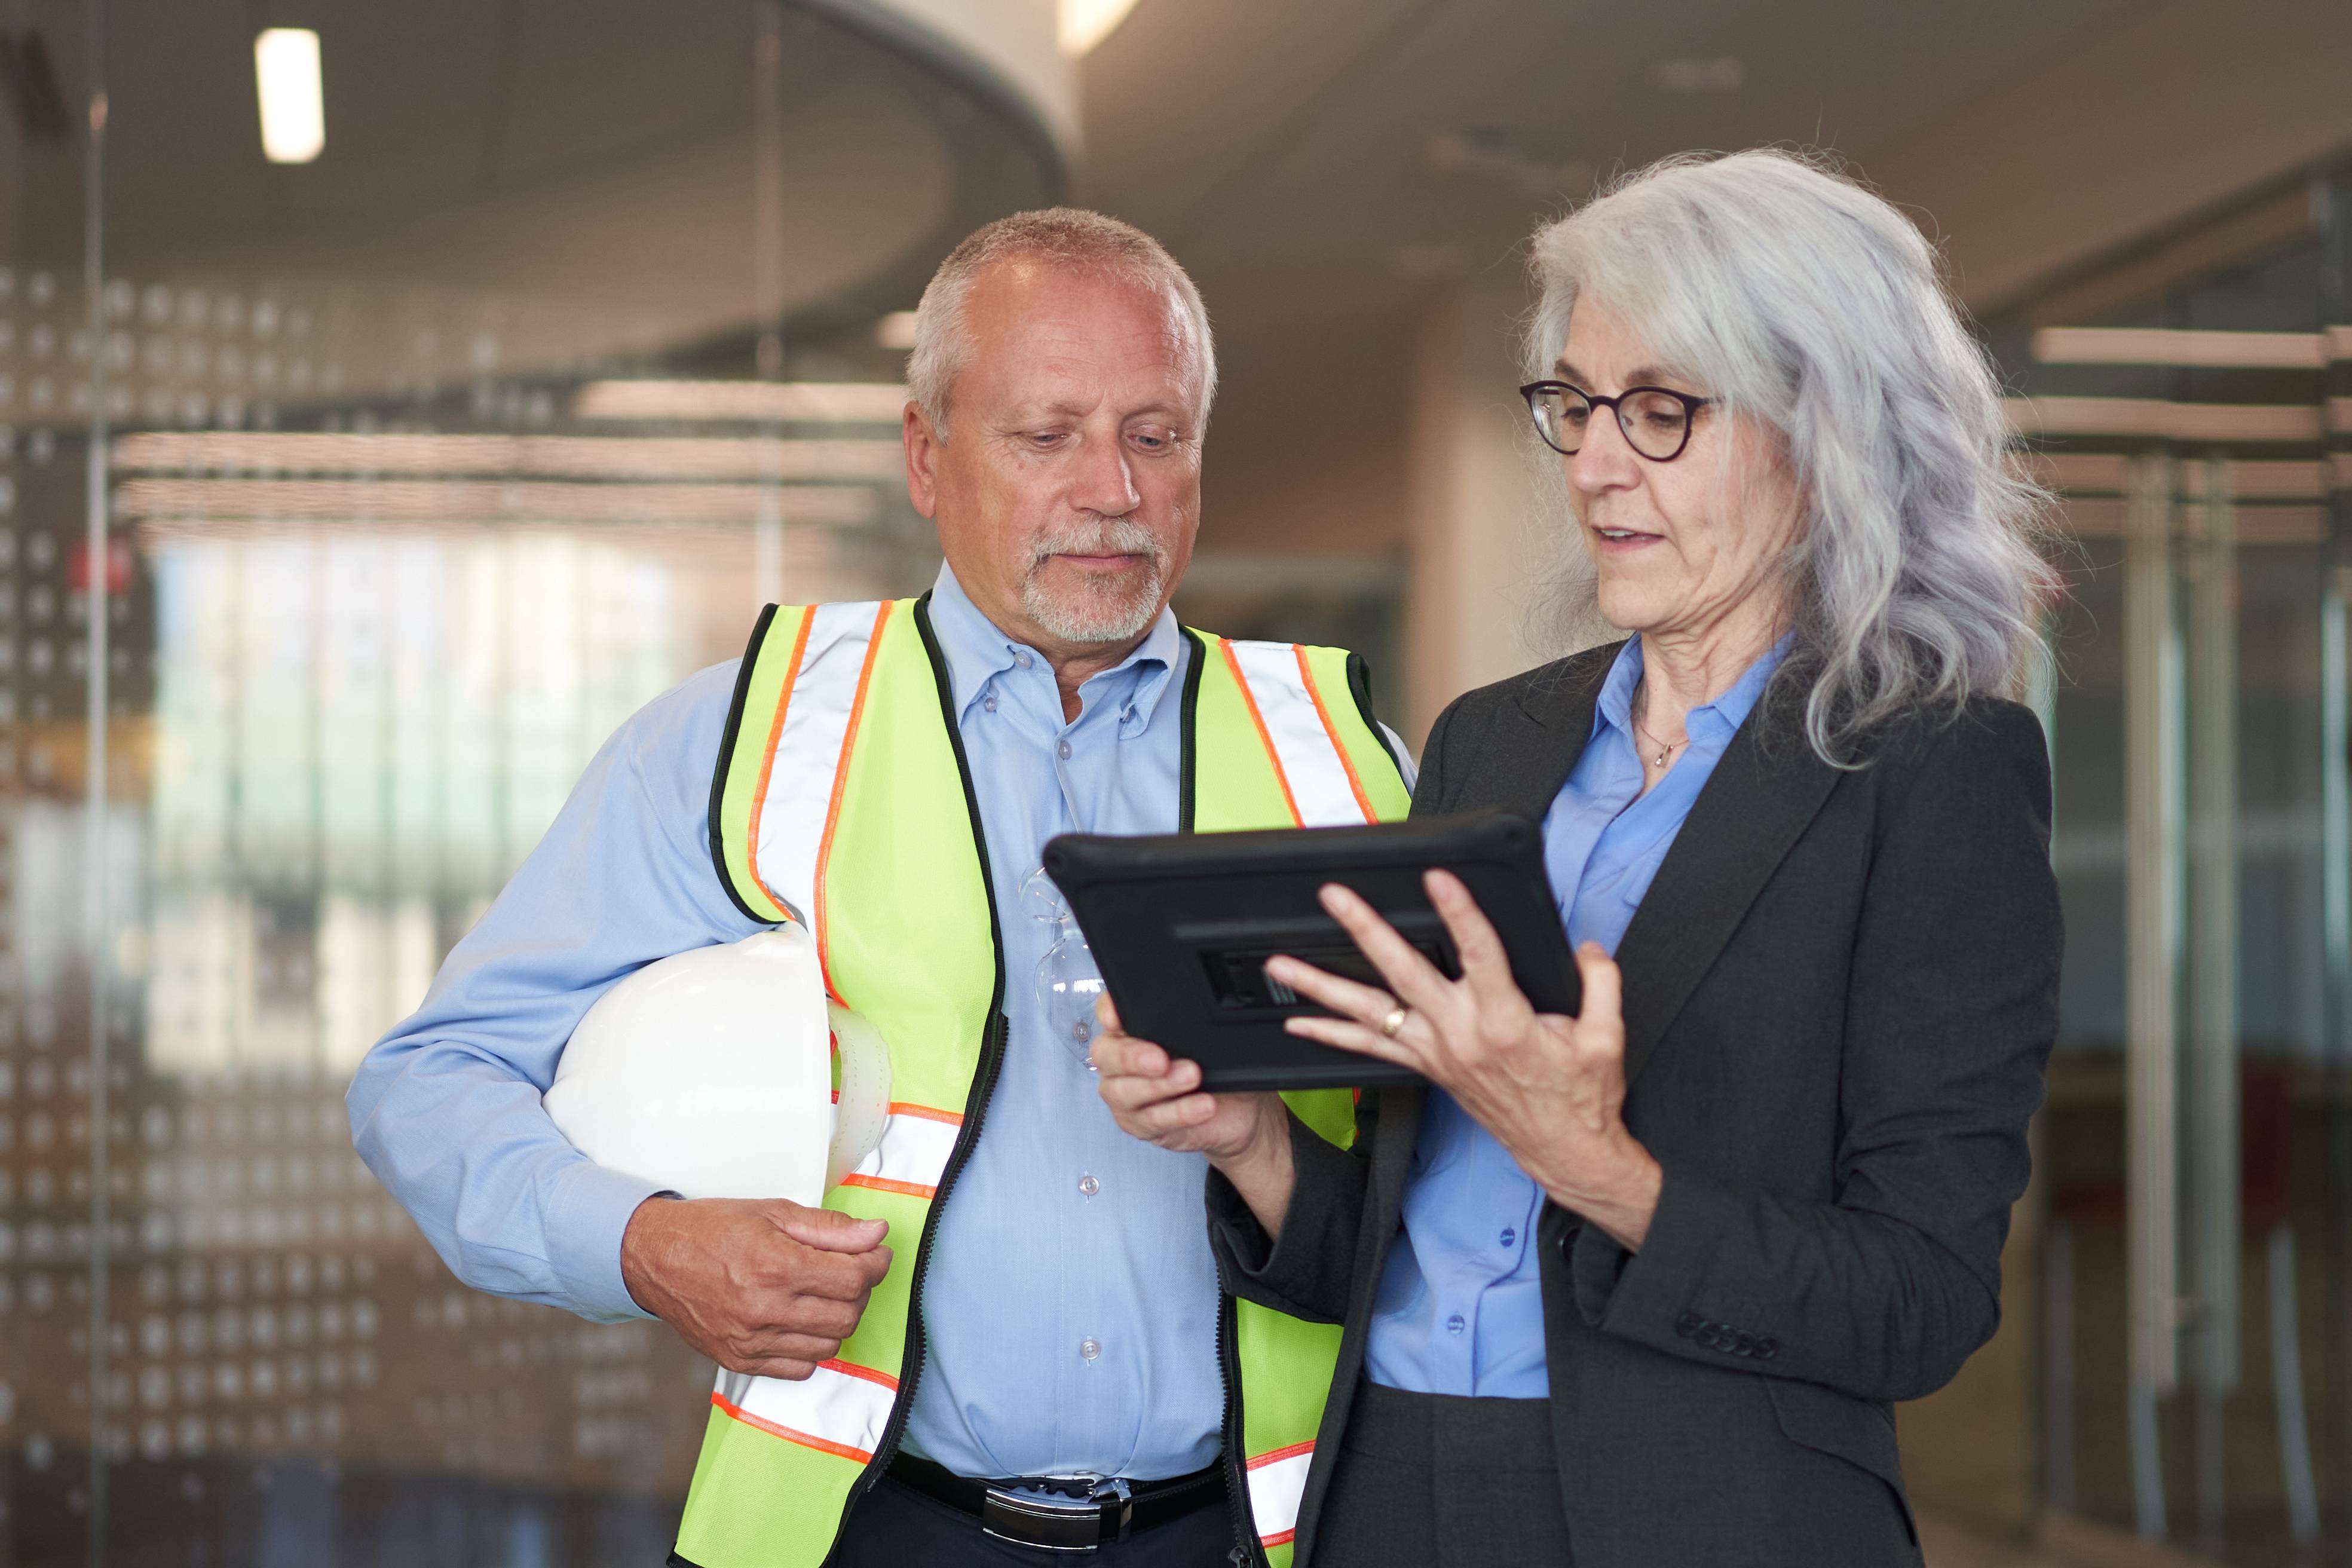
(1310, 1270)
(1951, 1011)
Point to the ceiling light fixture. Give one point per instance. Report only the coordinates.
(1086, 23)
(822, 402)
(2157, 345)
(896, 331)
(293, 103)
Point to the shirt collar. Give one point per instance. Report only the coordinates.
(977, 651)
(1715, 723)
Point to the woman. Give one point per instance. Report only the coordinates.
(1640, 1288)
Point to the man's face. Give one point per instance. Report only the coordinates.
(1067, 488)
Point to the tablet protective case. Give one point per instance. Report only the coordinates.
(1181, 925)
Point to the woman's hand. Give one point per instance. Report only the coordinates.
(1550, 1088)
(1157, 1098)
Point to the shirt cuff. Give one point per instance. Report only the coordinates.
(1296, 1272)
(588, 1210)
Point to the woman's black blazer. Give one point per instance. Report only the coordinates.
(1839, 993)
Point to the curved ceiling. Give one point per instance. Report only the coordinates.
(588, 165)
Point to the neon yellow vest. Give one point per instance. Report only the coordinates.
(842, 798)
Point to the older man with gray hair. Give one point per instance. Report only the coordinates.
(1041, 1359)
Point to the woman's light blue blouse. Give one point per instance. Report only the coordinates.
(1460, 1308)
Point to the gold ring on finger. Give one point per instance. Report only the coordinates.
(1394, 1021)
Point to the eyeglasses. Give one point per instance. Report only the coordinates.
(1068, 981)
(1656, 420)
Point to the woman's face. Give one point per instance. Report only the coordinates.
(1685, 547)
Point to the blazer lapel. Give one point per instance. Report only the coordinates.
(1398, 1131)
(1524, 773)
(1764, 793)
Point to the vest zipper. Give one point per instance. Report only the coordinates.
(1237, 1473)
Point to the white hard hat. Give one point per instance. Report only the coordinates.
(710, 1072)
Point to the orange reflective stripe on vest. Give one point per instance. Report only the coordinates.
(1318, 779)
(813, 728)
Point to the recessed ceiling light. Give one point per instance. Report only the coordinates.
(293, 103)
(1723, 74)
(1086, 23)
(896, 331)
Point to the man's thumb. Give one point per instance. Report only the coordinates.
(830, 1230)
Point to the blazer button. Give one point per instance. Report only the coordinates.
(1689, 1324)
(1743, 1345)
(1767, 1348)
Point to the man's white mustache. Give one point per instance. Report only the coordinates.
(1114, 536)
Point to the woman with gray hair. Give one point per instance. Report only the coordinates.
(1638, 1289)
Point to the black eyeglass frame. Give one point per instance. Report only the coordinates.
(1691, 403)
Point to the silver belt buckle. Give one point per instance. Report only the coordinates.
(1054, 1520)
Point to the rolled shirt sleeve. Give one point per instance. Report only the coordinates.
(446, 1109)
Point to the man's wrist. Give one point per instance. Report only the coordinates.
(1263, 1171)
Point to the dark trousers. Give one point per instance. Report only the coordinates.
(895, 1526)
(1437, 1479)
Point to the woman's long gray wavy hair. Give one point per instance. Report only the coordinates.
(1797, 298)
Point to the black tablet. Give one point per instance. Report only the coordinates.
(1181, 925)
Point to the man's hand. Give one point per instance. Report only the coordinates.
(1158, 1097)
(763, 1287)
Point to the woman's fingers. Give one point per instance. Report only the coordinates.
(1340, 994)
(1485, 967)
(1411, 976)
(1352, 1036)
(1601, 1021)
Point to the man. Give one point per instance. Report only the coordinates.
(1040, 1358)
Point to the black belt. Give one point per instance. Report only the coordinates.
(1068, 1513)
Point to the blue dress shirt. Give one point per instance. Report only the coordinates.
(1460, 1305)
(1071, 1303)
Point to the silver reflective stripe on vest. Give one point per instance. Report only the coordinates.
(1308, 749)
(1277, 1482)
(839, 1408)
(917, 1143)
(788, 827)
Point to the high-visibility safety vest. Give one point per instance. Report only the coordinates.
(843, 798)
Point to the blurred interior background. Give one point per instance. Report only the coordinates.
(416, 390)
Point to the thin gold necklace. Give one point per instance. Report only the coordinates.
(1665, 750)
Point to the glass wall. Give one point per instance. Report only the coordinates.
(417, 468)
(2187, 402)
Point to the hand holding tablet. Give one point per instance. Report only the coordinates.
(1181, 926)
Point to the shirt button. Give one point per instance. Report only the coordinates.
(989, 702)
(1089, 1348)
(1022, 660)
(1088, 1186)
(1454, 1324)
(1065, 749)
(1511, 1236)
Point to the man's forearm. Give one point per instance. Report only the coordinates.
(511, 1207)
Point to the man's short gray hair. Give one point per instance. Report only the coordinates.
(1797, 298)
(1064, 236)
